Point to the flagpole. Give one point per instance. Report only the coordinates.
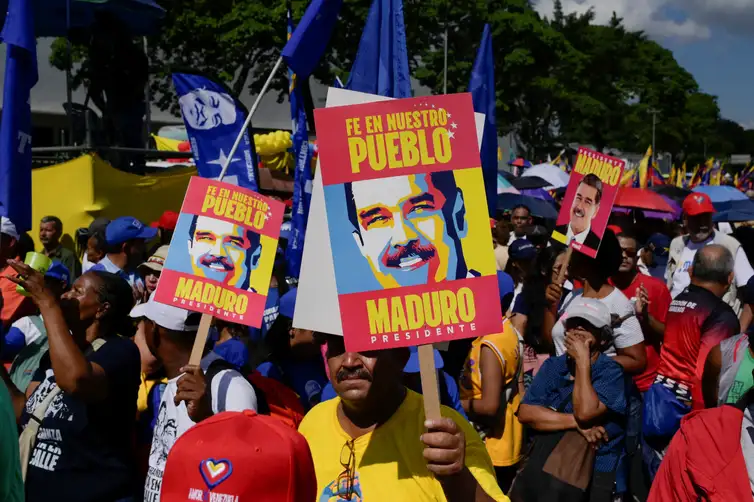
(445, 51)
(68, 76)
(248, 118)
(445, 65)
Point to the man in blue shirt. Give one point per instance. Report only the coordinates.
(126, 244)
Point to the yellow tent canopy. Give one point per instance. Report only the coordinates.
(88, 187)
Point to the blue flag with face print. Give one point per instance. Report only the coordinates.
(213, 120)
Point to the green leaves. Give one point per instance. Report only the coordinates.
(559, 79)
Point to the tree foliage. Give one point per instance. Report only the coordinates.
(559, 79)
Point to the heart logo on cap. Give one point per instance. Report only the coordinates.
(214, 471)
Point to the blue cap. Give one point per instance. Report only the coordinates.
(127, 228)
(288, 303)
(661, 243)
(412, 366)
(505, 284)
(521, 249)
(60, 272)
(285, 230)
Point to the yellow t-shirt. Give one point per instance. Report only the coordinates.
(504, 443)
(389, 462)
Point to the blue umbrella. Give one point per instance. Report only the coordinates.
(740, 206)
(507, 201)
(141, 17)
(721, 193)
(733, 215)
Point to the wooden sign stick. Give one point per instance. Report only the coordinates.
(201, 340)
(201, 336)
(564, 268)
(430, 388)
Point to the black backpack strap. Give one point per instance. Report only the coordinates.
(219, 365)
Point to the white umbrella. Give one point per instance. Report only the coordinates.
(550, 173)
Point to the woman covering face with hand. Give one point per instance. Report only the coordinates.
(582, 390)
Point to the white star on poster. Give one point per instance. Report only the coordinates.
(454, 125)
(451, 135)
(449, 115)
(222, 159)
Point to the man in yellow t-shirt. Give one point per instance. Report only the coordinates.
(491, 389)
(373, 443)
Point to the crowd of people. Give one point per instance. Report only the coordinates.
(625, 376)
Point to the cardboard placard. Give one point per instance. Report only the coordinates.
(588, 201)
(407, 220)
(222, 252)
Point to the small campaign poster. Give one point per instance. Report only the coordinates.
(221, 255)
(408, 222)
(588, 201)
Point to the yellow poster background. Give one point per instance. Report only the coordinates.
(477, 245)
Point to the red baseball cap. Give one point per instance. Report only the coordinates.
(168, 221)
(616, 229)
(698, 203)
(240, 456)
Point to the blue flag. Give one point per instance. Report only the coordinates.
(381, 64)
(482, 89)
(302, 182)
(213, 120)
(15, 126)
(307, 44)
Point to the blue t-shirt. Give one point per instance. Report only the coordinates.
(306, 378)
(271, 308)
(554, 384)
(86, 451)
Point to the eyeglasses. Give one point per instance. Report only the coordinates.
(346, 478)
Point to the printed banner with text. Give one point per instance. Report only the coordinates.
(588, 201)
(408, 222)
(221, 255)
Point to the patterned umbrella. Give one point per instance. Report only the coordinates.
(520, 162)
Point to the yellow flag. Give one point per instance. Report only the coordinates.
(644, 168)
(681, 178)
(166, 144)
(628, 177)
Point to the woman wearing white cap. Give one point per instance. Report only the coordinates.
(582, 390)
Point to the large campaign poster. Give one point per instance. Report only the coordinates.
(222, 252)
(588, 201)
(408, 222)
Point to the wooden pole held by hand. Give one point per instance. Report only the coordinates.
(201, 340)
(430, 388)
